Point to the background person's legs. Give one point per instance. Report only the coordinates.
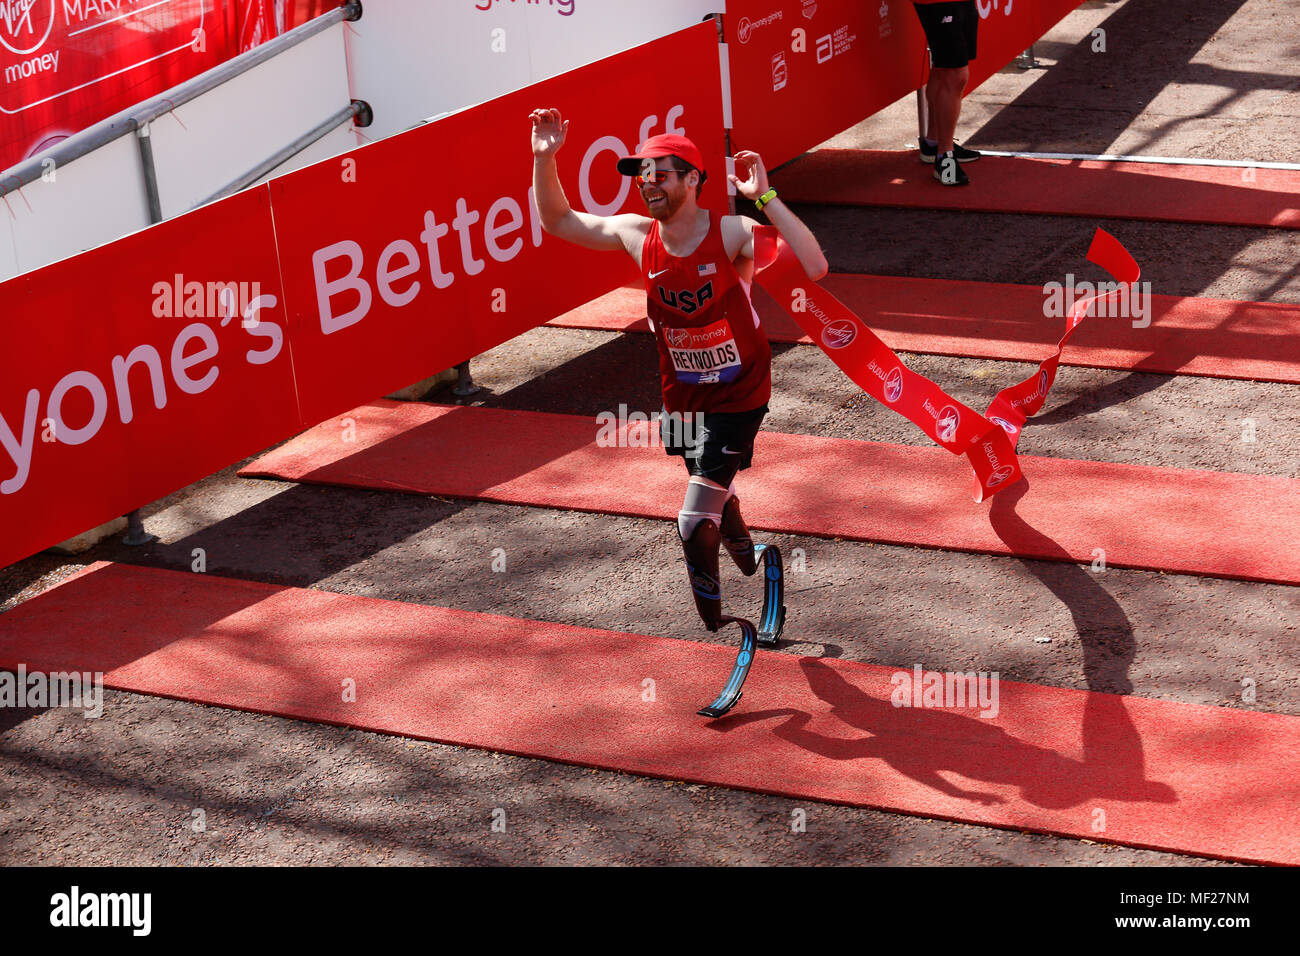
(943, 93)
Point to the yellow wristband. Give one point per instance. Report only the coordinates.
(764, 199)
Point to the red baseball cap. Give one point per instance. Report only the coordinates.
(666, 144)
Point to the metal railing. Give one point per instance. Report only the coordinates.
(136, 119)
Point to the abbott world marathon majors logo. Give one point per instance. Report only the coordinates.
(25, 25)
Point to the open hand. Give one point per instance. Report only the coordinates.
(549, 132)
(755, 184)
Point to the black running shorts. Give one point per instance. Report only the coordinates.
(715, 445)
(950, 29)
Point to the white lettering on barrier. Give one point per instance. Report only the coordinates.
(339, 269)
(326, 289)
(182, 363)
(269, 330)
(385, 275)
(184, 366)
(606, 144)
(148, 355)
(493, 231)
(99, 396)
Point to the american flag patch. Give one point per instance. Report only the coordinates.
(707, 270)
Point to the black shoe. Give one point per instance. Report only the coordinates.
(964, 155)
(949, 172)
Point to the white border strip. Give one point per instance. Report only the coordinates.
(1110, 158)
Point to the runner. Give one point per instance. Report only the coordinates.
(714, 360)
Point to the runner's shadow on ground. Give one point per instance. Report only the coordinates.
(919, 743)
(1113, 765)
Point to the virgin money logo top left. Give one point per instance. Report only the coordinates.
(25, 25)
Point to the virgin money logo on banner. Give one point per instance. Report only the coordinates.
(1007, 427)
(66, 64)
(838, 334)
(894, 385)
(745, 29)
(25, 25)
(949, 419)
(1001, 471)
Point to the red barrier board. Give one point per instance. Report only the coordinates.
(420, 251)
(125, 376)
(1007, 28)
(67, 64)
(803, 70)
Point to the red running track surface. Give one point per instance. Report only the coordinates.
(1221, 338)
(1054, 187)
(1194, 522)
(1169, 776)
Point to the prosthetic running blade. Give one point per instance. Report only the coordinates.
(768, 632)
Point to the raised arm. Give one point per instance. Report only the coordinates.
(792, 228)
(558, 218)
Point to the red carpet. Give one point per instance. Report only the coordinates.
(1056, 187)
(1196, 522)
(1179, 777)
(1187, 336)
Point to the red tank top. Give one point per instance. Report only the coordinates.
(713, 354)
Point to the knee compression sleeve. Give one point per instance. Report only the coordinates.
(704, 501)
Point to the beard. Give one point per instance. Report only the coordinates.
(668, 207)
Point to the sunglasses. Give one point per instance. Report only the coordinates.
(658, 176)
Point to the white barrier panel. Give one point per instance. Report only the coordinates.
(337, 141)
(76, 207)
(412, 59)
(209, 141)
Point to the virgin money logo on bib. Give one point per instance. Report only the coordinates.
(677, 337)
(894, 385)
(839, 334)
(704, 355)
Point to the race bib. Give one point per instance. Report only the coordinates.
(704, 355)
